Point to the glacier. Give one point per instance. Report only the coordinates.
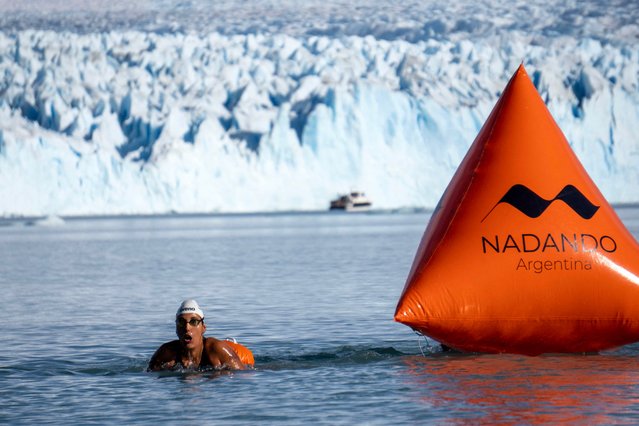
(141, 122)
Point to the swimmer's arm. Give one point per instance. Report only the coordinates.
(163, 358)
(228, 357)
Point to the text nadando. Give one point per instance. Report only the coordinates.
(561, 243)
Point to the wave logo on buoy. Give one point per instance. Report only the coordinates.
(532, 205)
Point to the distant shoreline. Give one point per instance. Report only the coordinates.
(33, 220)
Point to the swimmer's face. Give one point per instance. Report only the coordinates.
(190, 330)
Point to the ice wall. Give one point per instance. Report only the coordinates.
(136, 122)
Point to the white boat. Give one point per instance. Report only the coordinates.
(353, 201)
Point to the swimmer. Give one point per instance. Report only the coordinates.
(192, 350)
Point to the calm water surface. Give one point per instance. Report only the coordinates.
(313, 295)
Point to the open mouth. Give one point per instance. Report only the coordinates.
(187, 338)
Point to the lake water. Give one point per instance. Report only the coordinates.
(86, 303)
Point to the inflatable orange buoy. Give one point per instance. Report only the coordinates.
(523, 254)
(245, 354)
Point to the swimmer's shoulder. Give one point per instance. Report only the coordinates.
(171, 346)
(167, 352)
(215, 345)
(221, 352)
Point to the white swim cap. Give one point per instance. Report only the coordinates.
(189, 306)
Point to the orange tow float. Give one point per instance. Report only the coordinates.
(244, 353)
(523, 254)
